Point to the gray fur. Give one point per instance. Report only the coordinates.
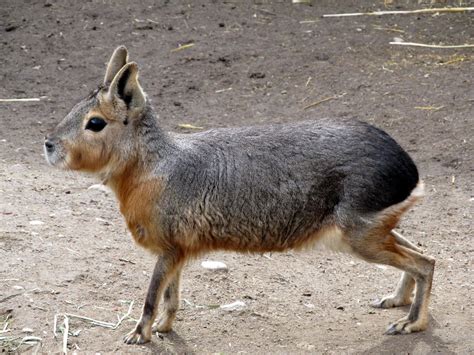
(274, 182)
(261, 188)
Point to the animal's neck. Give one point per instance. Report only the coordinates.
(125, 180)
(152, 145)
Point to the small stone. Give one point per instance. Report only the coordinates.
(27, 330)
(99, 187)
(213, 265)
(257, 75)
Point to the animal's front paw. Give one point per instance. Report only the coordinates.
(406, 326)
(137, 336)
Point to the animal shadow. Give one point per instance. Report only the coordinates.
(416, 343)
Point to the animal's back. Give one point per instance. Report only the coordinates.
(283, 181)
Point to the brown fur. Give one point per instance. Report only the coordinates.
(84, 159)
(137, 197)
(125, 163)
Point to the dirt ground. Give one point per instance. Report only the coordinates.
(64, 248)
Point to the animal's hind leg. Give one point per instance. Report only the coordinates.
(403, 293)
(400, 239)
(379, 246)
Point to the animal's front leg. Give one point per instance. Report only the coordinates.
(165, 268)
(170, 305)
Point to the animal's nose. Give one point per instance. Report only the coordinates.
(49, 145)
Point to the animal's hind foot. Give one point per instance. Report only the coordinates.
(391, 301)
(406, 326)
(164, 324)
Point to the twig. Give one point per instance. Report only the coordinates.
(429, 108)
(388, 29)
(323, 100)
(267, 11)
(189, 126)
(419, 11)
(5, 326)
(29, 340)
(65, 333)
(267, 256)
(189, 303)
(96, 322)
(20, 100)
(40, 308)
(127, 261)
(124, 316)
(222, 90)
(11, 296)
(184, 46)
(91, 320)
(456, 59)
(55, 325)
(432, 45)
(17, 294)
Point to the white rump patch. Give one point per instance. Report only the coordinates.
(332, 238)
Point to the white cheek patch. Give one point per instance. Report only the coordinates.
(57, 158)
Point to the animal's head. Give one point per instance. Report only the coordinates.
(98, 132)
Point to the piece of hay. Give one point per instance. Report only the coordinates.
(184, 46)
(432, 45)
(404, 12)
(324, 100)
(21, 100)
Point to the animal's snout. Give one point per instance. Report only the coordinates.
(49, 145)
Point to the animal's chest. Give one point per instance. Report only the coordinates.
(139, 210)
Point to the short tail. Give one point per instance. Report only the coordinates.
(391, 215)
(418, 191)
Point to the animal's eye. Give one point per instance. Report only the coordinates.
(96, 124)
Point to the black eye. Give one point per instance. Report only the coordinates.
(96, 124)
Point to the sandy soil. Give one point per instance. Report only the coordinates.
(252, 62)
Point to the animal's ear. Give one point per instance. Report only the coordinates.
(117, 61)
(125, 87)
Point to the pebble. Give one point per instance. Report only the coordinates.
(99, 187)
(213, 265)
